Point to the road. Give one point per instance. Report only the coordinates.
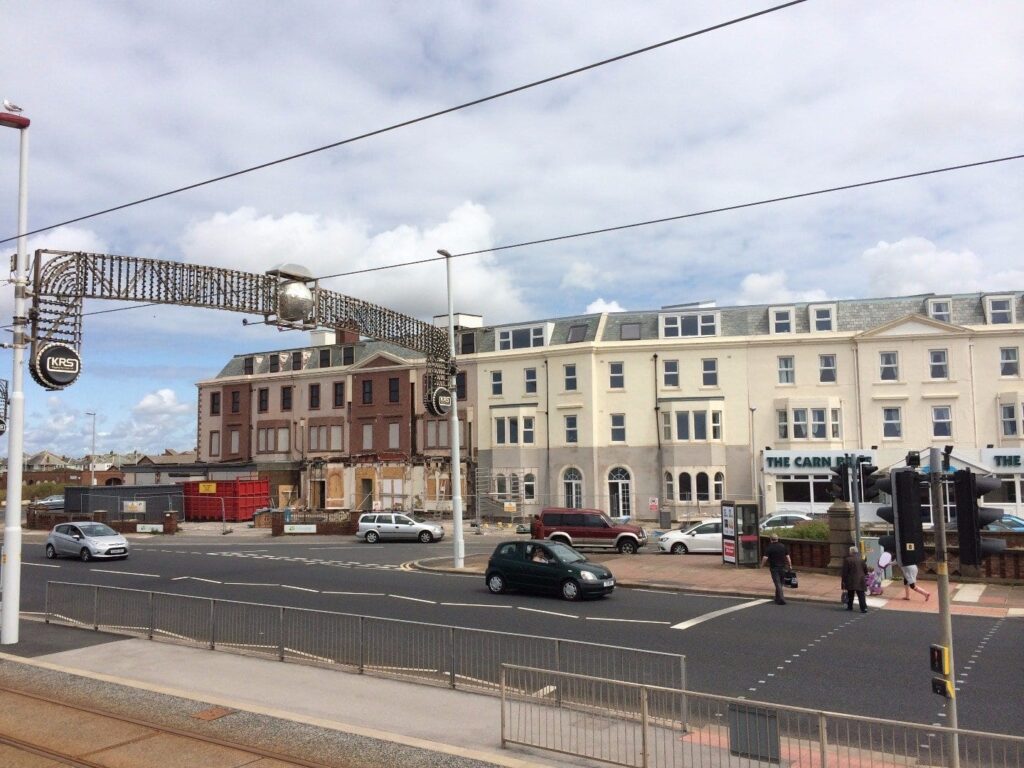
(806, 654)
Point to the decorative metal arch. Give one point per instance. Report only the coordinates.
(67, 277)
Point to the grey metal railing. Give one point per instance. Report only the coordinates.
(639, 726)
(457, 657)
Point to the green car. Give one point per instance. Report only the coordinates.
(546, 566)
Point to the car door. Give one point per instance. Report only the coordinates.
(60, 539)
(512, 562)
(73, 541)
(597, 531)
(404, 528)
(386, 527)
(706, 538)
(543, 576)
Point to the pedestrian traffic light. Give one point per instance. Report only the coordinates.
(904, 488)
(970, 518)
(839, 482)
(939, 658)
(868, 482)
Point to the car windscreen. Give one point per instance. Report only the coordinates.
(566, 554)
(97, 529)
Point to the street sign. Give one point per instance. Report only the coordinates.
(652, 504)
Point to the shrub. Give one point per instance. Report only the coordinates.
(816, 530)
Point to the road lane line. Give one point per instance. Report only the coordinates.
(126, 573)
(628, 621)
(969, 593)
(414, 599)
(300, 589)
(194, 578)
(41, 565)
(244, 583)
(549, 613)
(366, 594)
(715, 614)
(475, 605)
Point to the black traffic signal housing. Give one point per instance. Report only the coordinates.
(839, 482)
(869, 489)
(970, 518)
(904, 487)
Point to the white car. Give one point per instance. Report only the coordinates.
(85, 540)
(784, 520)
(703, 537)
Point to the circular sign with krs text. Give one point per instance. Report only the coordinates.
(3, 426)
(55, 366)
(441, 401)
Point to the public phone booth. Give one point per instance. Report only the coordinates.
(740, 540)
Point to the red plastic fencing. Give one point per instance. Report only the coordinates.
(234, 501)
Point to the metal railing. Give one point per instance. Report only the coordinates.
(652, 726)
(457, 657)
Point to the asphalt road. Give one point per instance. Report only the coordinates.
(804, 654)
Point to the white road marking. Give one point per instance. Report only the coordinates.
(127, 573)
(549, 613)
(475, 605)
(653, 591)
(367, 594)
(300, 589)
(969, 593)
(244, 583)
(360, 546)
(41, 565)
(414, 599)
(196, 578)
(628, 621)
(715, 614)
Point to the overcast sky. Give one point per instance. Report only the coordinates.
(130, 99)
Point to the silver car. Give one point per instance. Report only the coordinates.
(393, 526)
(85, 540)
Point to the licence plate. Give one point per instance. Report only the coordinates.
(609, 582)
(116, 551)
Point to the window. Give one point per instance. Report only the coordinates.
(314, 396)
(248, 366)
(783, 422)
(215, 403)
(530, 380)
(215, 443)
(938, 363)
(460, 385)
(296, 361)
(1000, 310)
(616, 376)
(529, 487)
(629, 332)
(702, 487)
(782, 320)
(942, 421)
(666, 425)
(467, 343)
(286, 398)
(500, 432)
(892, 424)
(261, 439)
(719, 488)
(685, 487)
(572, 488)
(367, 437)
(506, 430)
(787, 372)
(496, 387)
(670, 492)
(339, 394)
(521, 338)
(799, 423)
(528, 430)
(348, 355)
(682, 425)
(716, 425)
(818, 423)
(234, 441)
(367, 391)
(571, 429)
(700, 425)
(1007, 415)
(393, 385)
(1009, 362)
(570, 377)
(324, 359)
(822, 318)
(836, 424)
(336, 438)
(939, 309)
(618, 427)
(709, 372)
(275, 362)
(670, 373)
(236, 401)
(263, 399)
(318, 438)
(889, 366)
(827, 369)
(393, 435)
(577, 333)
(501, 487)
(697, 324)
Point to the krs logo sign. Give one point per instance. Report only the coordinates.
(55, 366)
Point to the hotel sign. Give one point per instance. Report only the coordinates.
(807, 462)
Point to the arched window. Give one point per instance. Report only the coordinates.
(572, 488)
(719, 486)
(500, 487)
(619, 491)
(702, 487)
(685, 488)
(529, 487)
(669, 487)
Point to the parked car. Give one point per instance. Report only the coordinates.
(1007, 523)
(587, 528)
(49, 503)
(393, 526)
(784, 520)
(85, 540)
(546, 566)
(703, 537)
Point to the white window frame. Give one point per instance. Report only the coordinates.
(716, 425)
(813, 317)
(570, 377)
(884, 365)
(528, 430)
(670, 373)
(933, 363)
(787, 371)
(887, 421)
(781, 315)
(530, 381)
(836, 423)
(823, 368)
(572, 429)
(819, 423)
(1008, 418)
(707, 324)
(537, 337)
(936, 312)
(709, 371)
(942, 421)
(1009, 356)
(991, 311)
(782, 422)
(666, 425)
(497, 386)
(618, 428)
(215, 442)
(800, 424)
(616, 375)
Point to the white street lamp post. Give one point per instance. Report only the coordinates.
(456, 474)
(11, 567)
(92, 456)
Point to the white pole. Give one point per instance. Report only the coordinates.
(9, 612)
(92, 456)
(459, 542)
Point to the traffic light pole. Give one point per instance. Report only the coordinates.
(855, 497)
(936, 469)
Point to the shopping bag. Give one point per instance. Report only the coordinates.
(789, 579)
(842, 597)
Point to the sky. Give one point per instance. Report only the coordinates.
(132, 99)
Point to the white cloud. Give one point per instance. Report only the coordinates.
(160, 405)
(771, 288)
(582, 274)
(600, 305)
(917, 265)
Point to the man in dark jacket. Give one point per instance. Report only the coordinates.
(777, 559)
(854, 575)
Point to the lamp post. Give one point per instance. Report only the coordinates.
(11, 568)
(456, 474)
(92, 456)
(753, 460)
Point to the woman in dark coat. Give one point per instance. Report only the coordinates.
(854, 575)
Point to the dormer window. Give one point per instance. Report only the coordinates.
(693, 324)
(781, 319)
(629, 332)
(999, 309)
(248, 366)
(521, 338)
(940, 309)
(822, 317)
(577, 333)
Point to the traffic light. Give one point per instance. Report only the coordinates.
(970, 518)
(904, 488)
(839, 482)
(869, 489)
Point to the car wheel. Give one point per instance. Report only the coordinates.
(372, 537)
(679, 548)
(425, 537)
(51, 553)
(496, 583)
(85, 555)
(627, 547)
(570, 590)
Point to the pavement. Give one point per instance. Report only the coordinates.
(348, 719)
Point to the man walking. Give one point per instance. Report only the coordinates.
(777, 559)
(854, 576)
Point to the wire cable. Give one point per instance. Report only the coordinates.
(412, 121)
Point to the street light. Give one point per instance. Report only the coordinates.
(456, 474)
(11, 568)
(92, 456)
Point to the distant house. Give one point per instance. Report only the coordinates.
(45, 461)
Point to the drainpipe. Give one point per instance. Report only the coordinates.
(547, 439)
(663, 511)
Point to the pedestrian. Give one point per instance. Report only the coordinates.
(910, 582)
(777, 559)
(854, 576)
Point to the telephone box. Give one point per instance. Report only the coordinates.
(740, 540)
